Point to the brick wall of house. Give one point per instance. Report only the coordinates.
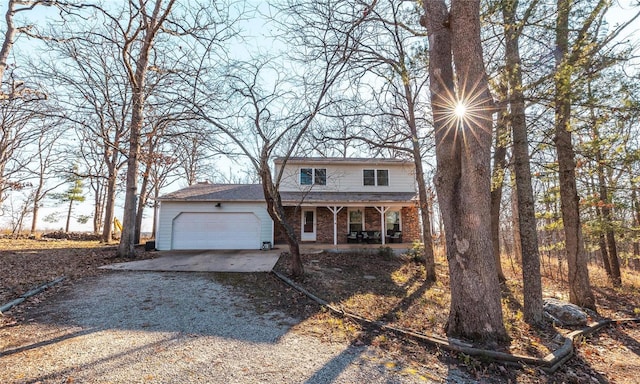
(324, 225)
(372, 219)
(410, 224)
(291, 213)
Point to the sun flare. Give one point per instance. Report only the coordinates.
(460, 110)
(463, 114)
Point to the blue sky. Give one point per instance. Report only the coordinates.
(255, 29)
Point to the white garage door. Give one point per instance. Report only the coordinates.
(216, 231)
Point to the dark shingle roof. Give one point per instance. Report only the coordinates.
(217, 192)
(254, 193)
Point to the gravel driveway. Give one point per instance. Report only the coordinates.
(151, 327)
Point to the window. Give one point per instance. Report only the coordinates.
(383, 176)
(310, 176)
(378, 177)
(392, 219)
(320, 176)
(306, 176)
(369, 177)
(356, 221)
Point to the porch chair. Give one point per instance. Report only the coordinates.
(395, 237)
(352, 237)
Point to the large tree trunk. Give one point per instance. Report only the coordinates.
(34, 217)
(497, 181)
(579, 286)
(429, 258)
(137, 78)
(532, 279)
(610, 255)
(607, 221)
(109, 211)
(36, 204)
(142, 201)
(276, 211)
(98, 203)
(127, 244)
(463, 178)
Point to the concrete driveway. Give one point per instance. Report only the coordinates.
(205, 261)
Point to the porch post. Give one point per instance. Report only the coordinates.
(382, 209)
(335, 210)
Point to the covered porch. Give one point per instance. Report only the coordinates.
(382, 219)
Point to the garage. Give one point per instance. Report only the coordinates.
(220, 230)
(213, 216)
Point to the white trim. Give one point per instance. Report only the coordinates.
(375, 177)
(335, 211)
(383, 210)
(308, 236)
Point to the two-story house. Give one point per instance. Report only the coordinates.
(327, 200)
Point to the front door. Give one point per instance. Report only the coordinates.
(308, 225)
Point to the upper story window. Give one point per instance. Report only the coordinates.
(311, 176)
(378, 177)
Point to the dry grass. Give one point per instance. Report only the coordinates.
(25, 264)
(392, 290)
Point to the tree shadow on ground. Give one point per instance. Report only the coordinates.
(545, 331)
(617, 300)
(329, 372)
(44, 343)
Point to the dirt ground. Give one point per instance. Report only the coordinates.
(378, 287)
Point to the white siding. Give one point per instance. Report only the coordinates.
(169, 210)
(348, 178)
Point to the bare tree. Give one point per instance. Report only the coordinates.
(499, 170)
(17, 116)
(387, 69)
(14, 7)
(571, 54)
(463, 178)
(190, 150)
(532, 280)
(49, 158)
(98, 104)
(142, 28)
(270, 104)
(163, 125)
(275, 119)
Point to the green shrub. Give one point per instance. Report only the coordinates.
(385, 252)
(416, 253)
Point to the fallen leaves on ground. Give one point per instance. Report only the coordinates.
(380, 287)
